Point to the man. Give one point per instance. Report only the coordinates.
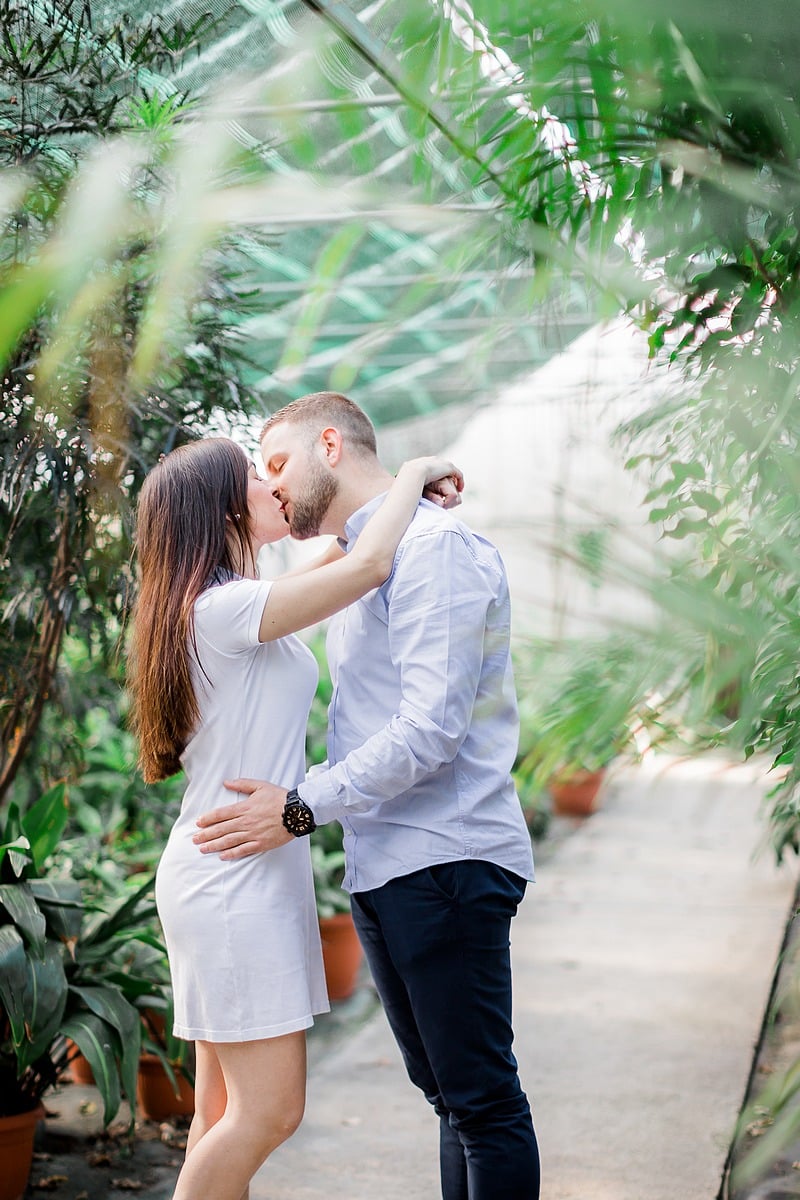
(422, 734)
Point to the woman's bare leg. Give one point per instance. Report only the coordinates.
(265, 1088)
(210, 1094)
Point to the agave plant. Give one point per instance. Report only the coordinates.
(66, 974)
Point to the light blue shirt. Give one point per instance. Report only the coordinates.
(422, 725)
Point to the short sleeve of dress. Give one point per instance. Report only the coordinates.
(228, 617)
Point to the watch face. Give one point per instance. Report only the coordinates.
(298, 818)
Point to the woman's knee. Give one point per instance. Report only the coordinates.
(286, 1120)
(269, 1119)
(266, 1087)
(267, 1124)
(287, 1124)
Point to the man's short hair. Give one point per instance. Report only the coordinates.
(319, 410)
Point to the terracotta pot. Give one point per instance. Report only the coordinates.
(155, 1093)
(16, 1152)
(155, 1023)
(341, 953)
(577, 795)
(79, 1069)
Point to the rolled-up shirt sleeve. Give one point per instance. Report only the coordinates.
(436, 611)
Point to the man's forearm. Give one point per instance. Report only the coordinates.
(387, 765)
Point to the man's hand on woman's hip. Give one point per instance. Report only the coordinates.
(250, 827)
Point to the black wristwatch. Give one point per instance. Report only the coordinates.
(297, 816)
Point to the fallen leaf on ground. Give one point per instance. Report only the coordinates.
(49, 1183)
(146, 1131)
(170, 1136)
(99, 1158)
(127, 1185)
(758, 1126)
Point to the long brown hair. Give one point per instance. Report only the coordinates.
(192, 521)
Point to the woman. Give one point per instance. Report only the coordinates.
(222, 689)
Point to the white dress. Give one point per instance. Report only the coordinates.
(243, 937)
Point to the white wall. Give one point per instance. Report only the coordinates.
(541, 467)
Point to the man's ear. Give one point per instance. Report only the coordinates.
(332, 445)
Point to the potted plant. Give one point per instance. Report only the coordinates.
(165, 1075)
(165, 1082)
(62, 976)
(341, 950)
(576, 718)
(165, 1072)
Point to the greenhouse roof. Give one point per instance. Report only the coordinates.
(408, 317)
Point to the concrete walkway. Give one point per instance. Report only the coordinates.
(643, 961)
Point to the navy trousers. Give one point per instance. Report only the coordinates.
(437, 943)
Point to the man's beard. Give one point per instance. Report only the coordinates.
(309, 509)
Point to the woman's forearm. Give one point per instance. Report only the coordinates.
(378, 541)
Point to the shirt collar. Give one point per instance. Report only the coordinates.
(356, 522)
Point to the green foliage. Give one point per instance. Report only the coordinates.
(117, 826)
(65, 972)
(327, 862)
(67, 71)
(674, 124)
(654, 151)
(533, 798)
(113, 812)
(726, 488)
(80, 424)
(770, 1120)
(579, 707)
(317, 727)
(327, 844)
(649, 151)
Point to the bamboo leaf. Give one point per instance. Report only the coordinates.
(319, 296)
(706, 500)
